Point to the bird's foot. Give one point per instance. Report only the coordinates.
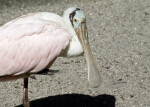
(26, 103)
(47, 72)
(44, 72)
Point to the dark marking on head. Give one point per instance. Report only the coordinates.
(72, 15)
(77, 9)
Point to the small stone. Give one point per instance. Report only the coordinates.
(131, 95)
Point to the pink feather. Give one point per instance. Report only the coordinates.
(28, 45)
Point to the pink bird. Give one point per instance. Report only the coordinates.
(32, 42)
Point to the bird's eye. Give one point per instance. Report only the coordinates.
(75, 20)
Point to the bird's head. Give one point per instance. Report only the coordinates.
(78, 22)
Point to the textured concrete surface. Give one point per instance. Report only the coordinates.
(119, 33)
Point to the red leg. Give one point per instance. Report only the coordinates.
(26, 102)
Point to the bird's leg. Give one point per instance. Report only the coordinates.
(26, 102)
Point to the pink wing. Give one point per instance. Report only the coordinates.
(30, 47)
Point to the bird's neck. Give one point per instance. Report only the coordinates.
(74, 48)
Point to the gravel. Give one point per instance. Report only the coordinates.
(119, 34)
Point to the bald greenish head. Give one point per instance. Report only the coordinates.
(78, 22)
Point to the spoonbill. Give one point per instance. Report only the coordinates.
(32, 42)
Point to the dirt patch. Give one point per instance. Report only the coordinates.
(120, 40)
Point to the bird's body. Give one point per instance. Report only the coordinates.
(26, 51)
(32, 42)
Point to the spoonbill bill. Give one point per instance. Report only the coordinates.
(32, 42)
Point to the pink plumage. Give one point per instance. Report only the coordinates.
(32, 42)
(29, 44)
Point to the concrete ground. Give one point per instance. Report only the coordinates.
(119, 33)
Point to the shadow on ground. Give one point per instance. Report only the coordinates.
(74, 100)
